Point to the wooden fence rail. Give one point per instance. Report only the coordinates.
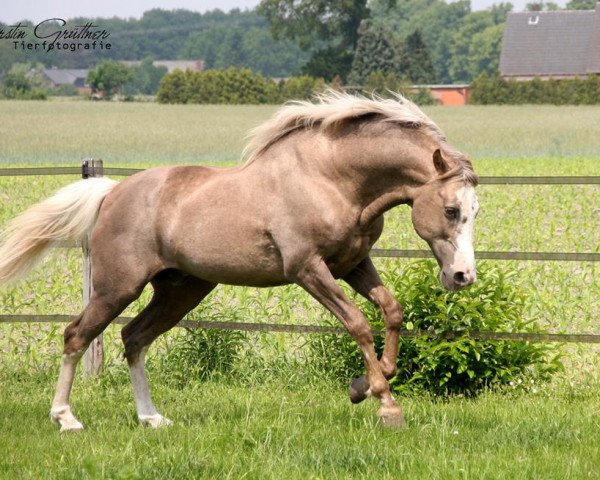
(484, 180)
(324, 329)
(94, 356)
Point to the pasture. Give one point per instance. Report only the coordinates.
(250, 424)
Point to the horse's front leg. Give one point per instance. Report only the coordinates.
(316, 279)
(365, 280)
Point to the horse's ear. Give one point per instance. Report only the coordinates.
(440, 163)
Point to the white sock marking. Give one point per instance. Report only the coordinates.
(60, 411)
(145, 408)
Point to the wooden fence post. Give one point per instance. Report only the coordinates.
(93, 358)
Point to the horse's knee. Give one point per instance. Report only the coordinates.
(388, 368)
(91, 323)
(393, 312)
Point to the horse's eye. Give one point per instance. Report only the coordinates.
(452, 213)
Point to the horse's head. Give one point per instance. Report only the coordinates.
(443, 214)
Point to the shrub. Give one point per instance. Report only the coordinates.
(301, 88)
(382, 83)
(489, 90)
(65, 90)
(233, 86)
(385, 84)
(439, 365)
(18, 87)
(230, 86)
(422, 97)
(199, 354)
(172, 88)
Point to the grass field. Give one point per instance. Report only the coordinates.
(297, 432)
(232, 430)
(53, 133)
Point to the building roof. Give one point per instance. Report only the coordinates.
(551, 43)
(194, 65)
(66, 76)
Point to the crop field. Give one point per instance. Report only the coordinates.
(290, 423)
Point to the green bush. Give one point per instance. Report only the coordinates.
(233, 86)
(65, 90)
(241, 86)
(200, 354)
(382, 84)
(434, 362)
(385, 84)
(490, 90)
(301, 88)
(16, 86)
(173, 88)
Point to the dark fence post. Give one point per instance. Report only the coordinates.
(93, 358)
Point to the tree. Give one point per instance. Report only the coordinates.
(484, 51)
(237, 46)
(146, 78)
(329, 63)
(460, 46)
(420, 68)
(376, 51)
(581, 5)
(308, 21)
(17, 86)
(541, 6)
(498, 12)
(437, 20)
(332, 24)
(109, 77)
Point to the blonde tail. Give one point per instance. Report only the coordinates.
(65, 218)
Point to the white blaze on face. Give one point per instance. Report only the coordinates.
(464, 258)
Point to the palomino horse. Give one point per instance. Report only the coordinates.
(305, 208)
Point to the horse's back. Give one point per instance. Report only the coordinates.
(192, 218)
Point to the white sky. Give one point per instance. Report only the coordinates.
(36, 10)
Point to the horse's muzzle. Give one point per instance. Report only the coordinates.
(457, 280)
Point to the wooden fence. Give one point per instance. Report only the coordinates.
(94, 356)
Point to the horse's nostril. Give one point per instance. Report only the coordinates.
(459, 277)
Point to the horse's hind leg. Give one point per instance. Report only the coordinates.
(174, 296)
(108, 300)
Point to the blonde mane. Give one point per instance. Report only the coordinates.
(333, 108)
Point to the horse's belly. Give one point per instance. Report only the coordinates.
(255, 261)
(238, 274)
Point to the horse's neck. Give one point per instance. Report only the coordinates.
(373, 172)
(384, 172)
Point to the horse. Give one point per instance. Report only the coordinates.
(305, 207)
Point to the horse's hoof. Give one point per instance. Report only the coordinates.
(359, 389)
(155, 421)
(392, 417)
(71, 427)
(66, 420)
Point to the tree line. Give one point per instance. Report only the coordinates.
(353, 42)
(420, 40)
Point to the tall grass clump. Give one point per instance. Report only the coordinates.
(442, 358)
(199, 354)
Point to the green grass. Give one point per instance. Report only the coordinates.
(278, 431)
(497, 138)
(257, 430)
